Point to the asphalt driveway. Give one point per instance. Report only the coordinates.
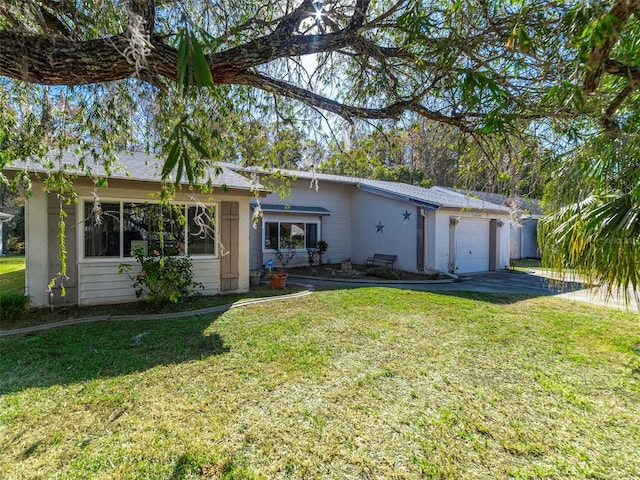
(534, 283)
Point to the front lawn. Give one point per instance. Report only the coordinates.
(44, 315)
(12, 273)
(362, 383)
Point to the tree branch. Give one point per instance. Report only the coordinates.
(613, 67)
(621, 10)
(290, 22)
(60, 61)
(632, 74)
(359, 14)
(391, 111)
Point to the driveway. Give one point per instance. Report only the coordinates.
(534, 283)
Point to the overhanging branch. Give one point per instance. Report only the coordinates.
(621, 10)
(348, 112)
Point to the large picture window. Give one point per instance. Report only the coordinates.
(296, 235)
(115, 229)
(102, 229)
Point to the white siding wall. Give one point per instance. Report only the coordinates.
(350, 229)
(398, 237)
(335, 227)
(441, 247)
(505, 242)
(529, 239)
(524, 239)
(515, 246)
(254, 233)
(442, 235)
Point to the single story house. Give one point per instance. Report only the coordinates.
(427, 228)
(525, 214)
(104, 225)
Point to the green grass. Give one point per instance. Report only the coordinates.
(42, 316)
(12, 277)
(362, 383)
(527, 263)
(12, 273)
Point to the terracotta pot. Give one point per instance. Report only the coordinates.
(278, 281)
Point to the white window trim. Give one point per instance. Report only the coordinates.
(280, 220)
(80, 239)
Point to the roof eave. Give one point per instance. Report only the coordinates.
(397, 196)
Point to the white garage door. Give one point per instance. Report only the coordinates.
(472, 245)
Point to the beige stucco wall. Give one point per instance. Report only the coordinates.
(97, 279)
(37, 247)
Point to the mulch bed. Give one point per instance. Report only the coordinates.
(361, 272)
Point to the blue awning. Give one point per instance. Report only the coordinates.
(279, 208)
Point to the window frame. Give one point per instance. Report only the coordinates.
(137, 201)
(280, 220)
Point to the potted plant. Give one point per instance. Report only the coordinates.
(278, 280)
(254, 277)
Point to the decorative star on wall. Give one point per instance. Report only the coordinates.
(406, 214)
(379, 227)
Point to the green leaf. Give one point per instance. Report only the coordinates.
(201, 70)
(183, 58)
(172, 159)
(195, 143)
(179, 172)
(187, 165)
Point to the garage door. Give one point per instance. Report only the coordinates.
(472, 245)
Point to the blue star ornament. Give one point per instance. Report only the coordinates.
(379, 227)
(406, 214)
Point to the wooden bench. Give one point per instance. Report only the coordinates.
(382, 259)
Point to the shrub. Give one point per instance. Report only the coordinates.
(12, 304)
(163, 278)
(383, 272)
(14, 246)
(285, 253)
(312, 253)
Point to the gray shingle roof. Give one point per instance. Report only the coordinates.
(433, 197)
(133, 166)
(438, 196)
(528, 206)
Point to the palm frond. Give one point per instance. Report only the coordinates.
(598, 239)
